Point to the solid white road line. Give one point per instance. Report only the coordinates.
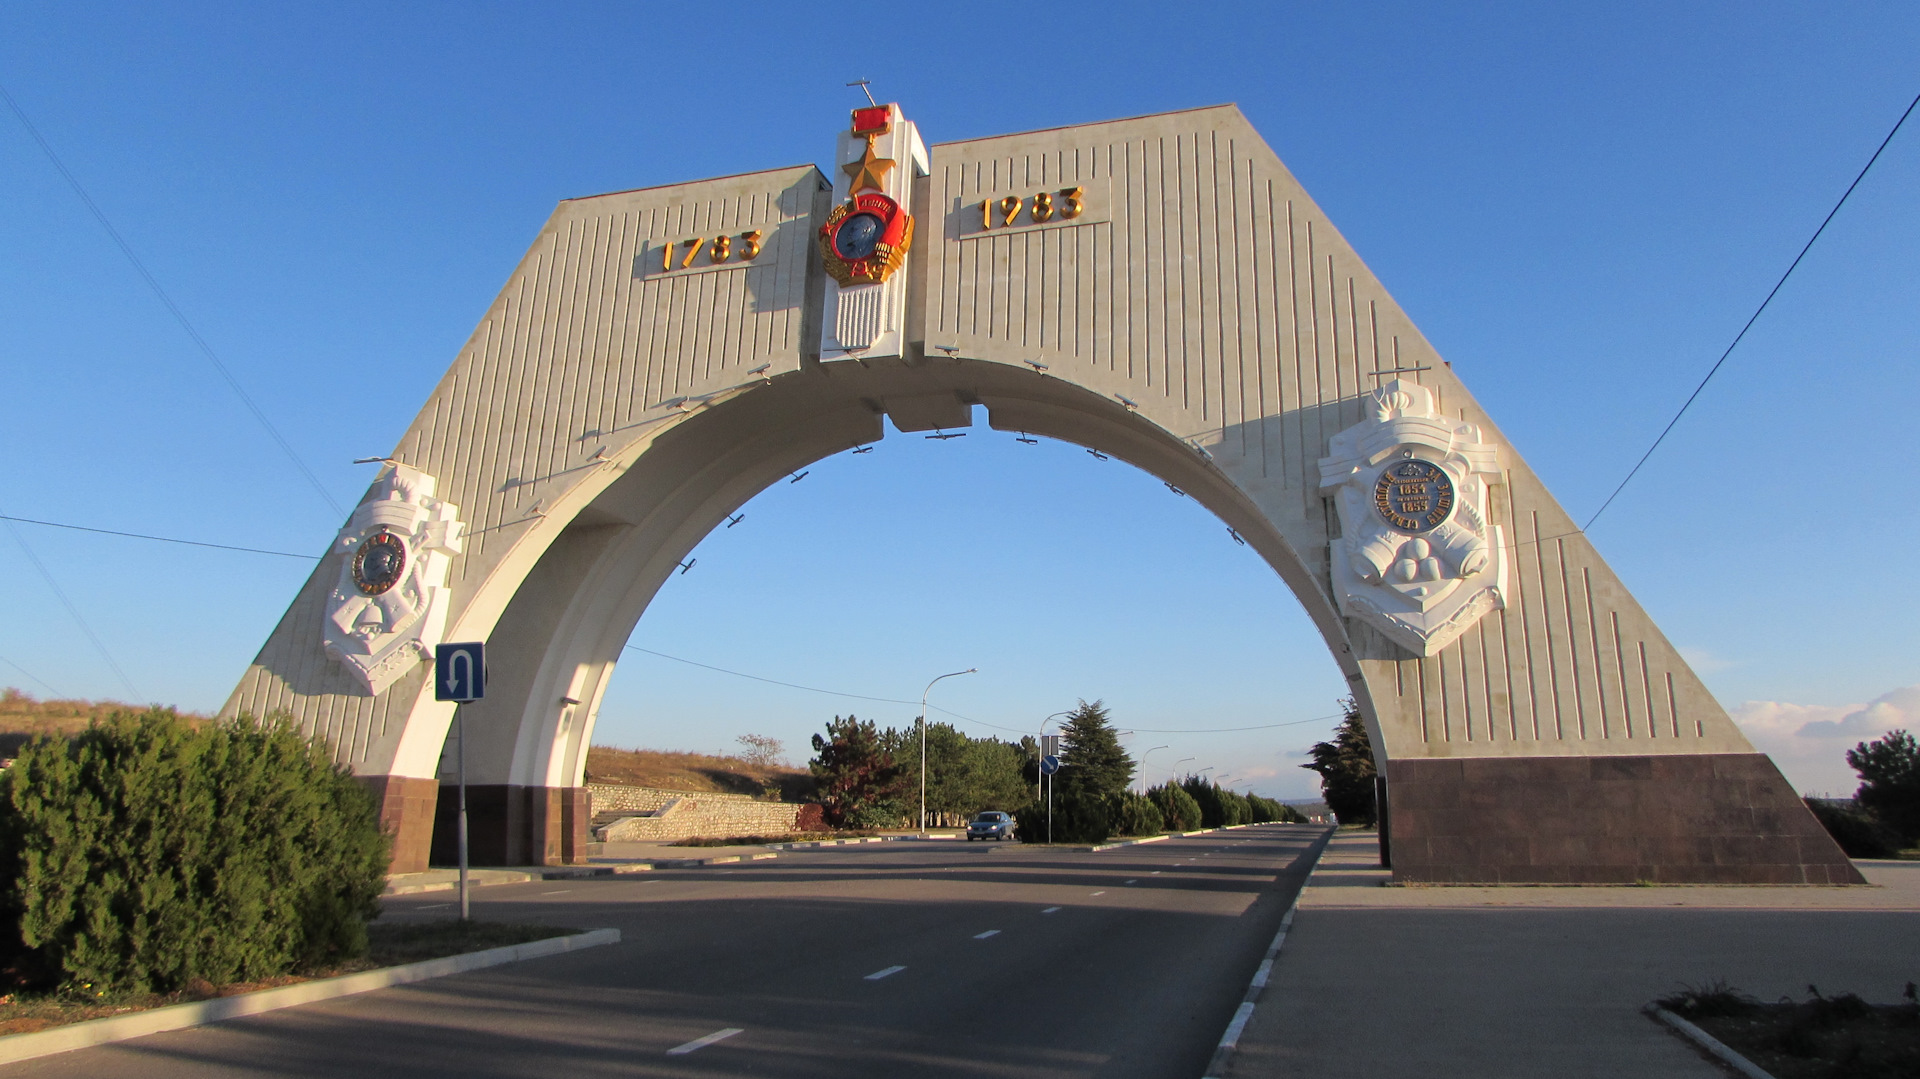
(1050, 910)
(701, 1043)
(985, 935)
(560, 891)
(879, 974)
(433, 906)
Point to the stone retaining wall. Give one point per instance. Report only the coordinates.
(625, 814)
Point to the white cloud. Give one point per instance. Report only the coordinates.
(1810, 741)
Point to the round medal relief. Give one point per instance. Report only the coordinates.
(1414, 495)
(379, 563)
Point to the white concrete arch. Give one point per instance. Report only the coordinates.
(661, 355)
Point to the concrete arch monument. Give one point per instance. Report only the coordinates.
(1160, 289)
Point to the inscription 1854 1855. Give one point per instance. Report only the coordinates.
(1414, 495)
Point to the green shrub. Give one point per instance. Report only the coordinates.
(1135, 814)
(1859, 833)
(143, 854)
(1234, 808)
(1077, 818)
(1179, 811)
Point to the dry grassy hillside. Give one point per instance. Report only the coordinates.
(695, 772)
(24, 717)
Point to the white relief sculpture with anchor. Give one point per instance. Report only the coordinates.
(1417, 557)
(389, 609)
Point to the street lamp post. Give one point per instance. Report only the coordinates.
(1143, 767)
(923, 742)
(1176, 767)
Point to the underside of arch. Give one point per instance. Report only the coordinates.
(1197, 315)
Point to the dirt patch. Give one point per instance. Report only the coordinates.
(1822, 1037)
(697, 773)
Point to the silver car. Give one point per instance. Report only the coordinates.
(991, 824)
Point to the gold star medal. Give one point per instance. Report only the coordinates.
(870, 171)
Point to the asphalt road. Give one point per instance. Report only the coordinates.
(930, 958)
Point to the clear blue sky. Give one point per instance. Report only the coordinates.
(1578, 208)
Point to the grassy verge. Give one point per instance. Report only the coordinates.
(759, 840)
(1822, 1037)
(388, 945)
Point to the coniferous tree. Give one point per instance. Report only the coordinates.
(1093, 762)
(1346, 769)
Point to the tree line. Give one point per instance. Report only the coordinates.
(866, 776)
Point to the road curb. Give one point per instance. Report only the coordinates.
(119, 1028)
(812, 843)
(1713, 1046)
(587, 872)
(1230, 1039)
(479, 880)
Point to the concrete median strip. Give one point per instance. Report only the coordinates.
(119, 1028)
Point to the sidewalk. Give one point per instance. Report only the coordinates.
(1385, 982)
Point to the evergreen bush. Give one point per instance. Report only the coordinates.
(1077, 818)
(1859, 833)
(142, 854)
(1135, 814)
(1177, 808)
(1234, 808)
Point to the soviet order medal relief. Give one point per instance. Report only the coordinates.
(866, 236)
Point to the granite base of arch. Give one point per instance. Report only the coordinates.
(1709, 818)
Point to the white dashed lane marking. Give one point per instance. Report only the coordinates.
(879, 974)
(1050, 910)
(702, 1043)
(985, 935)
(1101, 892)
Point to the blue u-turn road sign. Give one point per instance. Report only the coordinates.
(460, 672)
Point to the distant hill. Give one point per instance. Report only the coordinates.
(24, 717)
(695, 772)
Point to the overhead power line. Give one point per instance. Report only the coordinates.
(172, 308)
(98, 645)
(1756, 316)
(948, 711)
(30, 674)
(156, 539)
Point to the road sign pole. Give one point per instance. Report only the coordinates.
(460, 725)
(1049, 809)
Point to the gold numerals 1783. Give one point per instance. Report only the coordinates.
(744, 246)
(1065, 204)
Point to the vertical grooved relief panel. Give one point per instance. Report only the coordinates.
(1203, 285)
(596, 345)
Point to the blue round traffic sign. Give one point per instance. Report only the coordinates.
(1049, 764)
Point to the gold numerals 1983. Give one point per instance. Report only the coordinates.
(744, 246)
(1065, 205)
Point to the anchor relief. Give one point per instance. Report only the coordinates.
(1417, 558)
